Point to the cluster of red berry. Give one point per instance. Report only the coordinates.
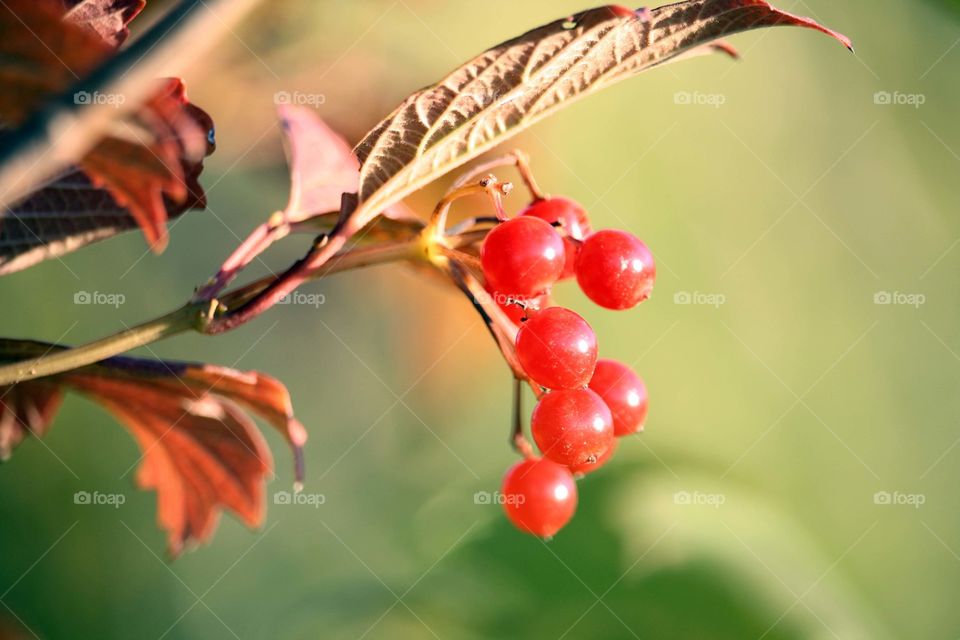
(585, 403)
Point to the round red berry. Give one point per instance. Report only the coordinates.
(615, 269)
(572, 427)
(624, 392)
(557, 349)
(539, 496)
(522, 257)
(574, 224)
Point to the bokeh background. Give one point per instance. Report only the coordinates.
(798, 474)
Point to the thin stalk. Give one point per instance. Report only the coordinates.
(504, 332)
(195, 316)
(489, 186)
(515, 158)
(517, 440)
(183, 319)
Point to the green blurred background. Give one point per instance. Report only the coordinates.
(792, 423)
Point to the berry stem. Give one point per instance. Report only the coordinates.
(256, 243)
(470, 224)
(515, 158)
(504, 332)
(488, 185)
(463, 258)
(195, 315)
(517, 439)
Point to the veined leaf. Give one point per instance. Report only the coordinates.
(201, 452)
(148, 162)
(517, 83)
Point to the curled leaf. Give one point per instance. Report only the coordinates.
(201, 451)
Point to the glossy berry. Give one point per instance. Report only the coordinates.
(539, 496)
(572, 427)
(589, 467)
(557, 349)
(519, 309)
(624, 392)
(615, 269)
(522, 257)
(574, 224)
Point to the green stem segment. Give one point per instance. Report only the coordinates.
(195, 316)
(171, 324)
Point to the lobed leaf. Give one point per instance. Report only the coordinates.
(201, 452)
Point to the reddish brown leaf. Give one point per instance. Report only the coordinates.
(201, 453)
(26, 410)
(139, 173)
(40, 55)
(149, 163)
(70, 212)
(109, 18)
(322, 166)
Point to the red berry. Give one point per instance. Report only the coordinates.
(522, 257)
(518, 309)
(572, 427)
(588, 467)
(625, 394)
(557, 349)
(539, 496)
(615, 269)
(574, 223)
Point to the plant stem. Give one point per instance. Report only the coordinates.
(345, 261)
(515, 158)
(192, 316)
(517, 440)
(504, 332)
(181, 320)
(489, 186)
